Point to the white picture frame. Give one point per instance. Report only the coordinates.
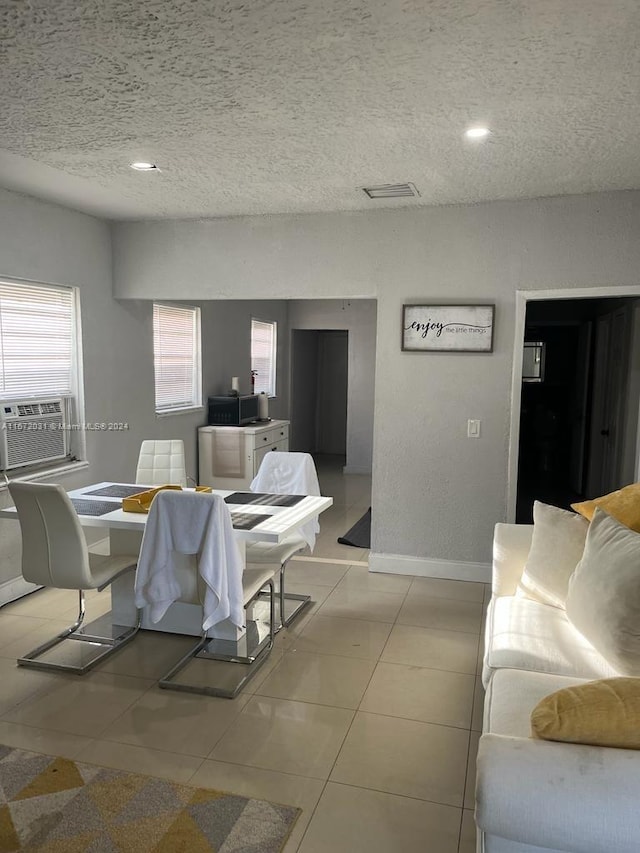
(447, 328)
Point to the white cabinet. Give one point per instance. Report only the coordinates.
(229, 457)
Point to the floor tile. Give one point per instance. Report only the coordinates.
(39, 632)
(149, 655)
(190, 724)
(467, 833)
(20, 683)
(404, 757)
(318, 594)
(478, 705)
(282, 788)
(333, 635)
(354, 603)
(317, 574)
(359, 577)
(319, 678)
(290, 737)
(444, 588)
(455, 651)
(138, 759)
(356, 820)
(14, 626)
(449, 613)
(429, 695)
(45, 603)
(470, 785)
(80, 705)
(42, 740)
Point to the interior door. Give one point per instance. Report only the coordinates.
(579, 412)
(609, 404)
(333, 352)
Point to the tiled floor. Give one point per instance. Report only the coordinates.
(366, 715)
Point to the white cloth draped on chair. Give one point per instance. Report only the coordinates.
(284, 473)
(190, 523)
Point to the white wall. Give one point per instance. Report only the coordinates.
(358, 317)
(436, 494)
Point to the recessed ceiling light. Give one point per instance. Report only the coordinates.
(144, 167)
(477, 133)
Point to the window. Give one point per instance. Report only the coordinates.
(176, 358)
(263, 357)
(37, 341)
(40, 366)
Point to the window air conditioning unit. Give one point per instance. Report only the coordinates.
(32, 432)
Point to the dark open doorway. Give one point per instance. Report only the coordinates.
(579, 401)
(319, 384)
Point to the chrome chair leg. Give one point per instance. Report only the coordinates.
(76, 632)
(205, 650)
(303, 600)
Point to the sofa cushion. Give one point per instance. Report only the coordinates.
(556, 549)
(524, 634)
(604, 593)
(512, 695)
(623, 505)
(600, 713)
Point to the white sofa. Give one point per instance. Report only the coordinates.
(536, 796)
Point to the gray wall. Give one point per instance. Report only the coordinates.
(358, 317)
(47, 243)
(436, 493)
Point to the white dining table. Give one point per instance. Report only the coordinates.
(274, 522)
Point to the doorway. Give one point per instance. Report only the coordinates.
(575, 397)
(319, 385)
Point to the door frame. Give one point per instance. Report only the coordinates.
(522, 298)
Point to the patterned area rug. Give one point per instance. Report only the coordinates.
(54, 805)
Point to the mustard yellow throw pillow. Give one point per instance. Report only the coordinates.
(623, 505)
(599, 713)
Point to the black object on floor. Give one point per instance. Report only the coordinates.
(360, 534)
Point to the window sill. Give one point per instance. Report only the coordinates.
(46, 473)
(187, 411)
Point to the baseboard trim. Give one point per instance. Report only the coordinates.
(355, 469)
(15, 588)
(422, 567)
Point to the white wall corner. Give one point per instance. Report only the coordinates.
(422, 567)
(356, 469)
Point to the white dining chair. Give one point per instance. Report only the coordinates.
(162, 461)
(191, 523)
(55, 554)
(285, 473)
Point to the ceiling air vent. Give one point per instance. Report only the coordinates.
(391, 191)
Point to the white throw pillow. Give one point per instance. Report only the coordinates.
(604, 593)
(556, 548)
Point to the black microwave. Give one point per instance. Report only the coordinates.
(232, 411)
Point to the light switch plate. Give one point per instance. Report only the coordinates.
(473, 429)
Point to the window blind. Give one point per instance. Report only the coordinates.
(263, 356)
(176, 349)
(37, 340)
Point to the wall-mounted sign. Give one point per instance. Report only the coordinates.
(447, 328)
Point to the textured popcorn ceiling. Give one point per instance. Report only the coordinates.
(272, 106)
